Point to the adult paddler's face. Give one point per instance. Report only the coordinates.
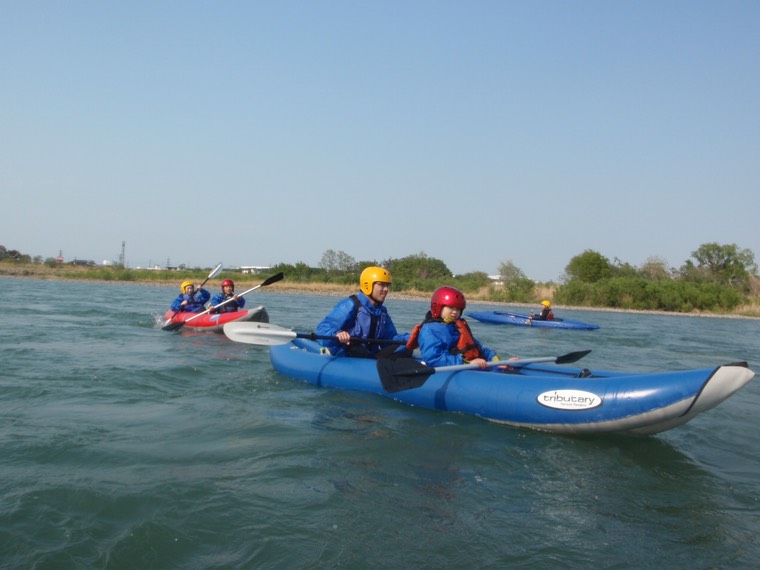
(380, 290)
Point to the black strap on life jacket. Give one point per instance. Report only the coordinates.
(372, 318)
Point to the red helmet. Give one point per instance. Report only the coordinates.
(228, 283)
(446, 297)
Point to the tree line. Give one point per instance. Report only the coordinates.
(13, 255)
(715, 278)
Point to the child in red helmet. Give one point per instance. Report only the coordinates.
(228, 292)
(444, 337)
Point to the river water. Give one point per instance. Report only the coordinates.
(124, 446)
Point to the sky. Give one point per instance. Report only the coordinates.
(475, 132)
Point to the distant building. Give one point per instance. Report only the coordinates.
(254, 268)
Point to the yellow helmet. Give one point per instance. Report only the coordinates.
(372, 275)
(546, 303)
(185, 284)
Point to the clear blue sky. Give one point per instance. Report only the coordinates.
(253, 133)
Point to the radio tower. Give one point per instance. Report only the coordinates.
(121, 257)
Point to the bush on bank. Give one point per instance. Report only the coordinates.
(639, 294)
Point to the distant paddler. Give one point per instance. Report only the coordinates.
(546, 313)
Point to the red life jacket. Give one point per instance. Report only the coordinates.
(545, 315)
(466, 345)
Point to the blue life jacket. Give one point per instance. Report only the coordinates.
(230, 307)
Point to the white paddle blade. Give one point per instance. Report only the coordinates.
(217, 270)
(264, 334)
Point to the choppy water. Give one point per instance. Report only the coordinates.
(124, 446)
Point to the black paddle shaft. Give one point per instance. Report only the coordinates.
(356, 339)
(397, 374)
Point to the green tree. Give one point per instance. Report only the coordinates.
(655, 269)
(337, 261)
(329, 261)
(518, 287)
(418, 267)
(726, 264)
(589, 267)
(346, 262)
(470, 282)
(620, 268)
(299, 272)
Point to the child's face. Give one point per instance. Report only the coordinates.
(450, 313)
(227, 289)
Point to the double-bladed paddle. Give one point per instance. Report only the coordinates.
(530, 317)
(216, 271)
(406, 373)
(269, 335)
(174, 326)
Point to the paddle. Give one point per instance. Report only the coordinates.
(269, 334)
(216, 271)
(174, 326)
(520, 316)
(407, 373)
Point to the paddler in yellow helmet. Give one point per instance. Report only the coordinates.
(190, 300)
(362, 315)
(546, 313)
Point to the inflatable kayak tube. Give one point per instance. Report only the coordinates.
(215, 322)
(507, 318)
(541, 396)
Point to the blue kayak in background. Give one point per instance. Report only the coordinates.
(507, 318)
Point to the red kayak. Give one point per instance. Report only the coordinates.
(215, 322)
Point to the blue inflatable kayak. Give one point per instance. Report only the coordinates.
(536, 395)
(507, 318)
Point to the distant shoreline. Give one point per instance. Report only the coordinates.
(330, 290)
